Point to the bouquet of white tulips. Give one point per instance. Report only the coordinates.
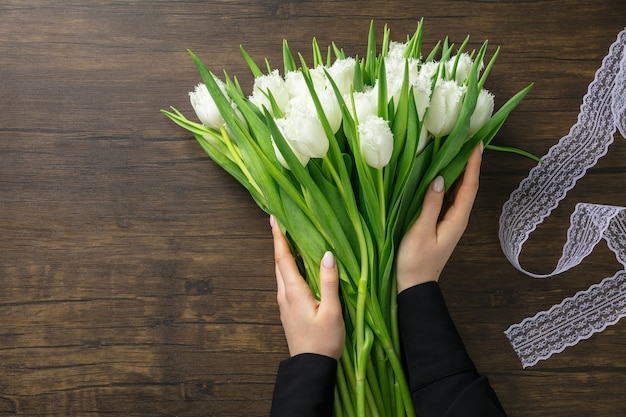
(341, 152)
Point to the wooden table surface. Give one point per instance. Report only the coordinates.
(136, 277)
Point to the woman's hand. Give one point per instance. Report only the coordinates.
(311, 326)
(429, 243)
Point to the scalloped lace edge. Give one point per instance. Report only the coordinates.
(602, 112)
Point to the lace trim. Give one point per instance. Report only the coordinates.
(574, 319)
(602, 112)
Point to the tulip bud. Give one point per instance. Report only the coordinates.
(205, 107)
(303, 104)
(296, 86)
(429, 69)
(318, 76)
(394, 73)
(422, 89)
(463, 67)
(271, 83)
(281, 159)
(424, 140)
(445, 106)
(365, 104)
(305, 134)
(376, 140)
(396, 49)
(331, 108)
(342, 73)
(482, 112)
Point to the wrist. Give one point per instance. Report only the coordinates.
(408, 287)
(407, 280)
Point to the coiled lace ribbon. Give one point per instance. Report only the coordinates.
(576, 318)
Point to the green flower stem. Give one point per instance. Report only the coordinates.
(373, 382)
(337, 410)
(383, 378)
(372, 407)
(393, 390)
(437, 145)
(307, 201)
(385, 291)
(336, 178)
(364, 336)
(382, 204)
(376, 321)
(344, 401)
(237, 159)
(393, 315)
(400, 410)
(360, 343)
(348, 366)
(364, 348)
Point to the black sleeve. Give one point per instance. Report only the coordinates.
(442, 377)
(305, 387)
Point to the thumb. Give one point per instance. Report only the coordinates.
(329, 280)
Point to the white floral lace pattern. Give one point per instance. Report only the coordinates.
(574, 319)
(602, 112)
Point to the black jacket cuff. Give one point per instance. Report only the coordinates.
(305, 386)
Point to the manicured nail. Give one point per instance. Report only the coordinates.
(328, 261)
(482, 146)
(272, 220)
(438, 184)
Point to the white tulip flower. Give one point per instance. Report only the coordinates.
(342, 73)
(396, 49)
(318, 75)
(423, 141)
(365, 104)
(296, 86)
(305, 134)
(376, 141)
(463, 67)
(205, 107)
(273, 83)
(303, 104)
(482, 112)
(331, 108)
(281, 159)
(422, 89)
(429, 69)
(445, 106)
(394, 73)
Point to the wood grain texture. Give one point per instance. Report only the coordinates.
(136, 276)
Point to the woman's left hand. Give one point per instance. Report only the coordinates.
(311, 326)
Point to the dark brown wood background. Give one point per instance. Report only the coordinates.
(136, 277)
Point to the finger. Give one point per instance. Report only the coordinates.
(456, 219)
(329, 282)
(287, 272)
(280, 284)
(431, 207)
(465, 195)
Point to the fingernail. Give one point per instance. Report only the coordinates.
(482, 146)
(328, 261)
(438, 184)
(272, 220)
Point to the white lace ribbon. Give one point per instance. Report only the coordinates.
(602, 112)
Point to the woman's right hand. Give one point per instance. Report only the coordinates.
(429, 243)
